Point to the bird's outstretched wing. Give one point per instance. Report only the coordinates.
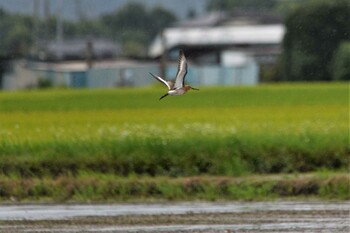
(162, 81)
(181, 71)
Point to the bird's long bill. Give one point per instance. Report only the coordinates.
(164, 96)
(194, 88)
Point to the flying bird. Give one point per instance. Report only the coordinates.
(179, 87)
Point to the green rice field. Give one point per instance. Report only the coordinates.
(217, 131)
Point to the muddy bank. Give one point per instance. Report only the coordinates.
(188, 217)
(106, 187)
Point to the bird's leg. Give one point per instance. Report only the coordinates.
(164, 96)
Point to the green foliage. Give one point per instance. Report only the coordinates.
(79, 29)
(18, 32)
(314, 31)
(15, 34)
(341, 62)
(124, 144)
(217, 131)
(135, 27)
(44, 83)
(247, 4)
(133, 42)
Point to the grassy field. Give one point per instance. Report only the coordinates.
(218, 131)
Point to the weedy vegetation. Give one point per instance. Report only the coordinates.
(52, 136)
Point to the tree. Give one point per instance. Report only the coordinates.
(314, 31)
(160, 18)
(18, 40)
(191, 13)
(341, 62)
(15, 34)
(247, 4)
(134, 26)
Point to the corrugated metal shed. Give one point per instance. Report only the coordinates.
(76, 49)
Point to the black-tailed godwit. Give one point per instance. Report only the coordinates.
(179, 87)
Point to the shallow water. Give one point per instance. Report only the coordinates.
(222, 217)
(44, 212)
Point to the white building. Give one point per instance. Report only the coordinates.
(253, 40)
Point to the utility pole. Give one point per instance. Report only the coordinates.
(46, 33)
(164, 56)
(79, 11)
(35, 25)
(89, 53)
(46, 18)
(59, 22)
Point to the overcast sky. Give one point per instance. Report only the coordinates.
(94, 8)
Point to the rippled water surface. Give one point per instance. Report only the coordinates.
(179, 217)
